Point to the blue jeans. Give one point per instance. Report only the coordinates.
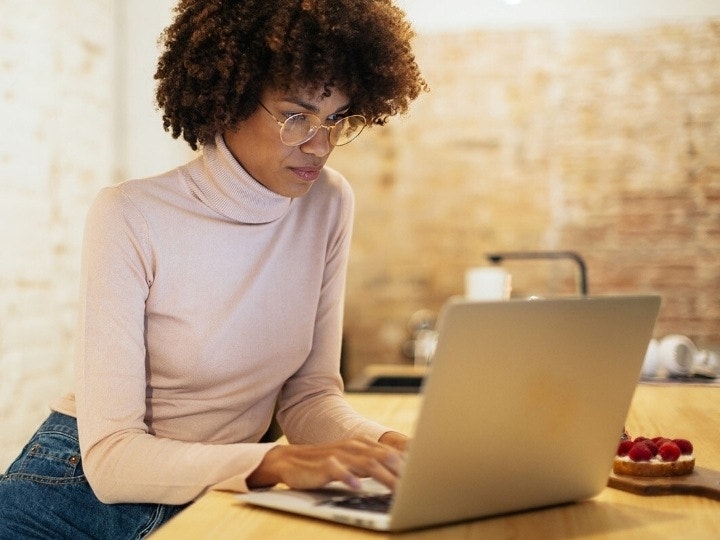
(44, 494)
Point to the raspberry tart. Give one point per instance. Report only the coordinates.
(656, 457)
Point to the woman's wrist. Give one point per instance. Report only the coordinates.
(265, 474)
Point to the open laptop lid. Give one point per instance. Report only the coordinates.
(523, 407)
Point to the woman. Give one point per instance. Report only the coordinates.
(212, 295)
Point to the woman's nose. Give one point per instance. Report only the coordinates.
(319, 144)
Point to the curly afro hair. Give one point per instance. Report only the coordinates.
(219, 55)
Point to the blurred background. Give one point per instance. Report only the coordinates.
(551, 125)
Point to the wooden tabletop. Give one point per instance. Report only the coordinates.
(676, 410)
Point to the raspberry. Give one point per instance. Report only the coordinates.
(640, 439)
(652, 446)
(685, 446)
(660, 440)
(640, 452)
(624, 447)
(669, 451)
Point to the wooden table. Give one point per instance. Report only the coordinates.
(678, 410)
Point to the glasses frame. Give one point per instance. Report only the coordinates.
(320, 125)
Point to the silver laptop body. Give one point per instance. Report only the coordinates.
(523, 408)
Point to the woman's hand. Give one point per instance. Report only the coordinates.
(396, 440)
(347, 461)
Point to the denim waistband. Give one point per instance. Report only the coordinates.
(59, 423)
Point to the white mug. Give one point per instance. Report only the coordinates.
(487, 283)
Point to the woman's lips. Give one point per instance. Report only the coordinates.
(308, 174)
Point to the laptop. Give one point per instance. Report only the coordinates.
(522, 408)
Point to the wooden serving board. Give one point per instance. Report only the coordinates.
(702, 482)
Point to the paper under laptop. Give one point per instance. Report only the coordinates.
(522, 408)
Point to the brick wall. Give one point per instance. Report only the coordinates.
(605, 142)
(599, 141)
(56, 96)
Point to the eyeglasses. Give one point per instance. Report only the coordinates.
(300, 128)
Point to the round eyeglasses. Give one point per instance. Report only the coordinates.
(300, 128)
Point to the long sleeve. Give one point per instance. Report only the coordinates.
(124, 457)
(311, 408)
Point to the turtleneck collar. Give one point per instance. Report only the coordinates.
(218, 180)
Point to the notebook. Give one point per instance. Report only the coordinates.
(522, 408)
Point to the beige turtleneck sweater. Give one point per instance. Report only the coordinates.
(204, 299)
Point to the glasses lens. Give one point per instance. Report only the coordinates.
(347, 129)
(299, 128)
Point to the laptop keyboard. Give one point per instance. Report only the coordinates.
(368, 502)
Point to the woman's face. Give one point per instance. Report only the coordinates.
(286, 170)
